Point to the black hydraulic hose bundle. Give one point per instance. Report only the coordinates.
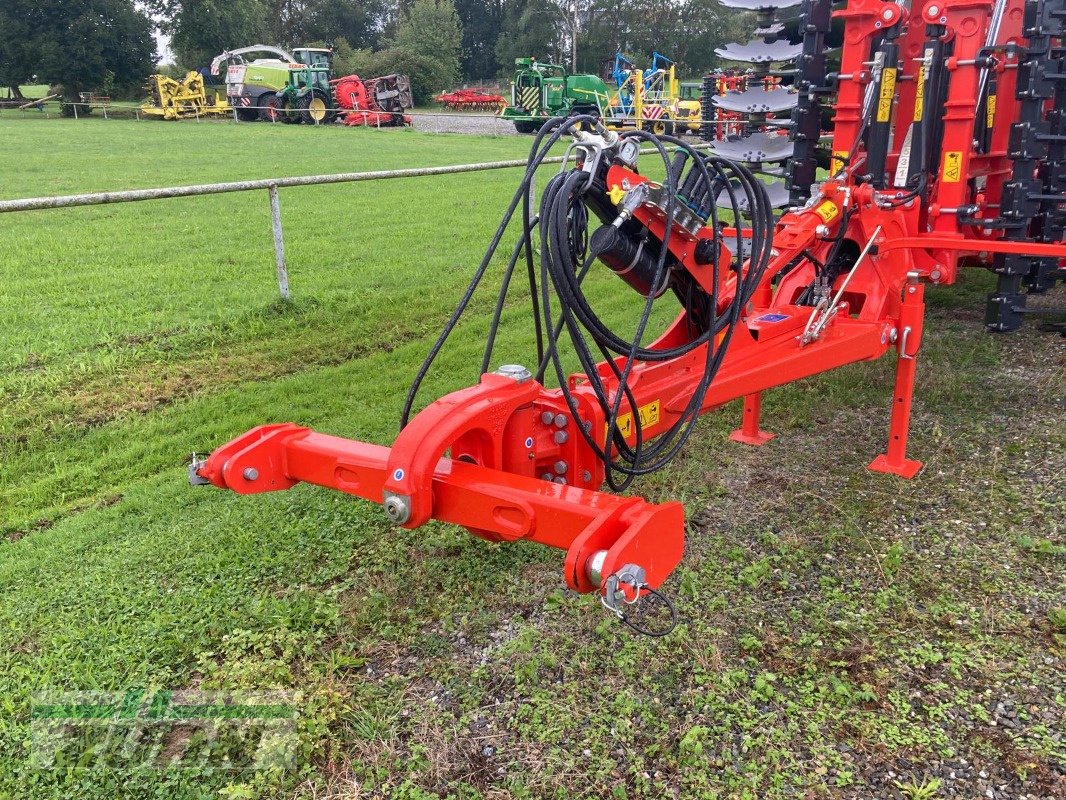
(562, 228)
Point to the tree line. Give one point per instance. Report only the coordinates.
(108, 45)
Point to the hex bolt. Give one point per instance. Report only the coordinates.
(561, 480)
(546, 417)
(561, 437)
(250, 473)
(586, 476)
(561, 467)
(547, 476)
(561, 420)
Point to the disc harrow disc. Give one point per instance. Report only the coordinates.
(757, 101)
(755, 5)
(758, 146)
(759, 52)
(777, 191)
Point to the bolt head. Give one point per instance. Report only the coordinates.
(561, 437)
(397, 508)
(250, 473)
(561, 467)
(515, 372)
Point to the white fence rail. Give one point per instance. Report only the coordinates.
(271, 185)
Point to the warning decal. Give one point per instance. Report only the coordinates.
(649, 415)
(827, 211)
(888, 91)
(952, 172)
(919, 93)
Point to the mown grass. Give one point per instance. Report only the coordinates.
(843, 633)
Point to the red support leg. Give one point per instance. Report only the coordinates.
(749, 432)
(895, 460)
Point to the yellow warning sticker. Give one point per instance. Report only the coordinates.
(888, 91)
(828, 211)
(649, 415)
(919, 94)
(837, 163)
(952, 172)
(990, 111)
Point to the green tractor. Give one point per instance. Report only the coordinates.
(541, 91)
(287, 87)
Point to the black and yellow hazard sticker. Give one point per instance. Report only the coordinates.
(827, 211)
(919, 94)
(837, 162)
(888, 91)
(952, 172)
(529, 97)
(990, 111)
(649, 415)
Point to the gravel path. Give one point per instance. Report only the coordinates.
(450, 122)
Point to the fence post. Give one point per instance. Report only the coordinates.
(279, 243)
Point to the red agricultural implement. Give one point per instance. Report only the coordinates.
(471, 100)
(374, 103)
(925, 181)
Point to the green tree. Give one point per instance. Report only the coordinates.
(686, 32)
(481, 21)
(429, 34)
(201, 29)
(357, 22)
(81, 44)
(530, 28)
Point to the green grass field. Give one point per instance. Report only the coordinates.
(843, 634)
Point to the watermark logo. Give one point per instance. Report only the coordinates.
(139, 729)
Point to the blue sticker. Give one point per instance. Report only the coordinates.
(398, 475)
(772, 318)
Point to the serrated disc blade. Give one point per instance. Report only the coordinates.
(757, 147)
(757, 101)
(759, 52)
(755, 5)
(777, 191)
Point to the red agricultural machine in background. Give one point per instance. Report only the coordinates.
(375, 103)
(472, 100)
(925, 181)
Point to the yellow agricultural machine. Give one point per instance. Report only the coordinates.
(173, 99)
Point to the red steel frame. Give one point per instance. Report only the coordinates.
(477, 457)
